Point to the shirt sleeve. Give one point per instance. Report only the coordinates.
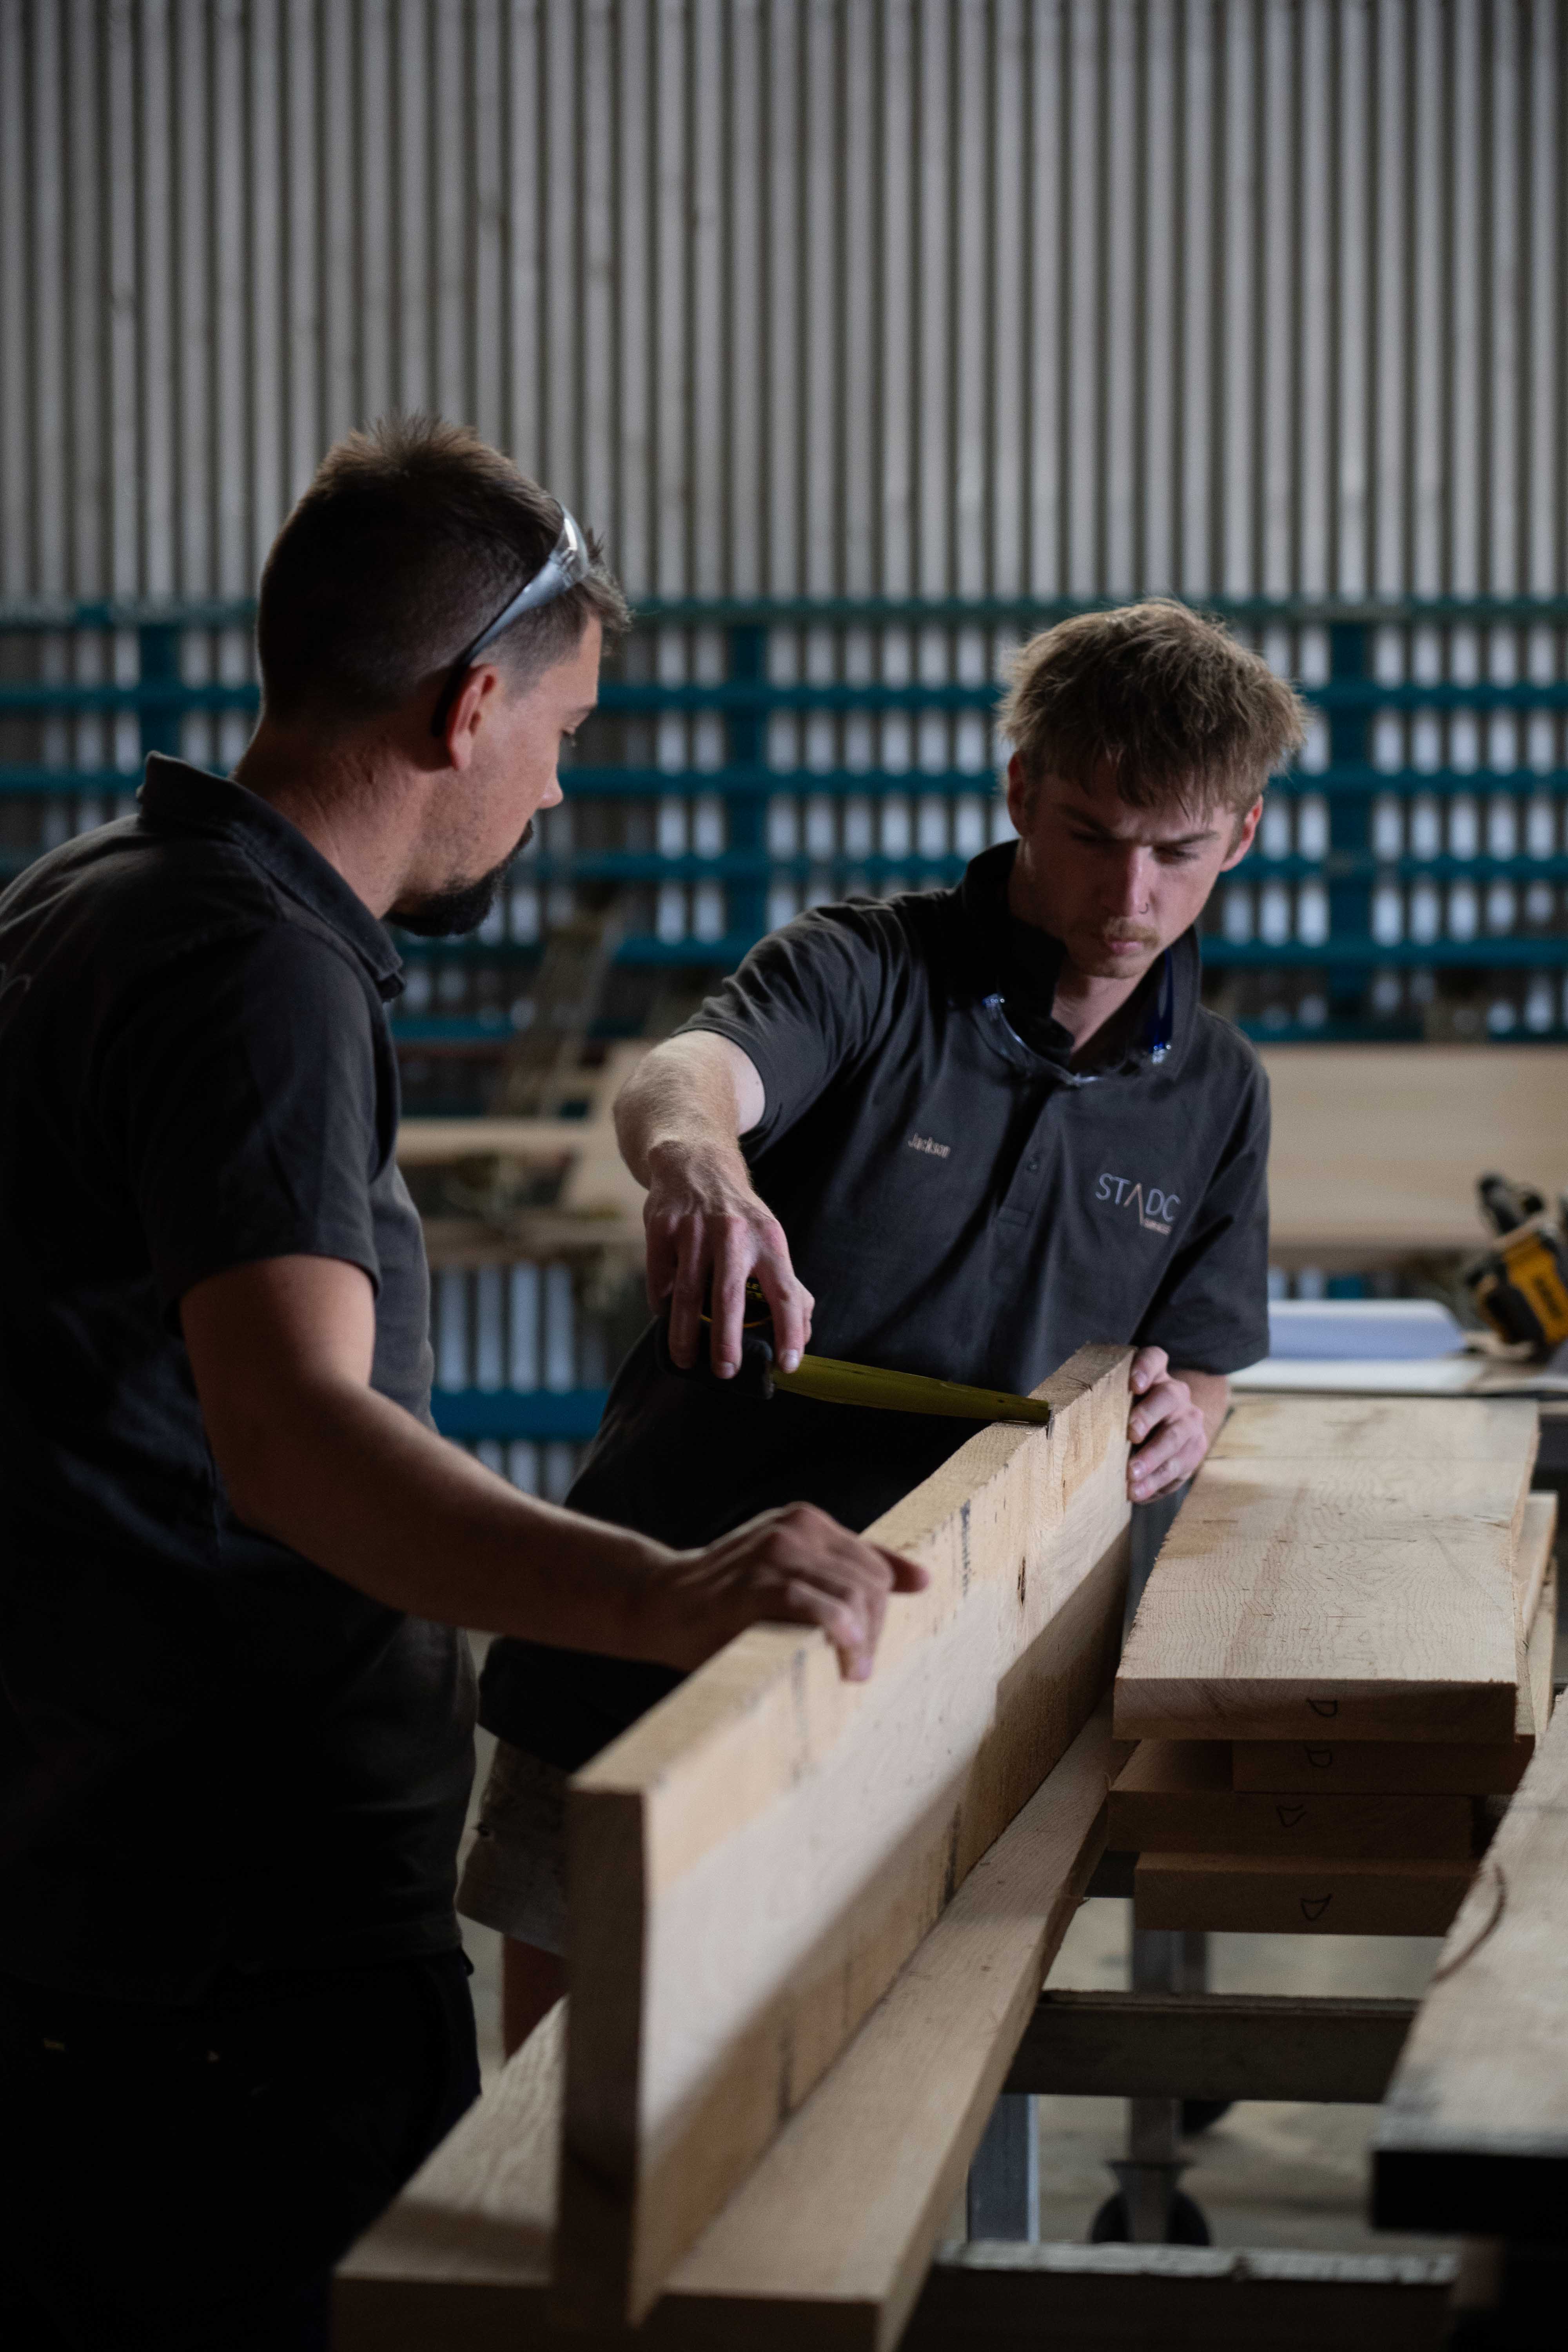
(240, 1097)
(1211, 1314)
(808, 1002)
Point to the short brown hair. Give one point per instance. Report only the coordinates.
(1182, 712)
(409, 540)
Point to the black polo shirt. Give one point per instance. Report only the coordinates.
(213, 1755)
(960, 1200)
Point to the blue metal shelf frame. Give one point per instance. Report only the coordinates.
(1349, 698)
(543, 1415)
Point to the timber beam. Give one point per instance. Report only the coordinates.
(1010, 2298)
(1140, 2045)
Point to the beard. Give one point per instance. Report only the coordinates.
(448, 914)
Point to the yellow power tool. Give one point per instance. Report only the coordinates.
(1521, 1286)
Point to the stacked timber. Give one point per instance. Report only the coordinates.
(1345, 1649)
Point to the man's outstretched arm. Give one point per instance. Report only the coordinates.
(680, 1118)
(312, 1455)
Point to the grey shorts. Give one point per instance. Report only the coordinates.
(515, 1874)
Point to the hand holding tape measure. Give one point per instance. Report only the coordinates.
(832, 1382)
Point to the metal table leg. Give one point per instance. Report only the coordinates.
(1162, 1961)
(1003, 2198)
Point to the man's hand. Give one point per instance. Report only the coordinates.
(708, 1233)
(680, 1118)
(793, 1566)
(1173, 1422)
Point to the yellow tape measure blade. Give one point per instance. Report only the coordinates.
(833, 1382)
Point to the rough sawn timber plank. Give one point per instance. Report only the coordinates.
(827, 2243)
(1366, 1585)
(751, 1865)
(461, 2257)
(1264, 1895)
(1443, 1766)
(1474, 2130)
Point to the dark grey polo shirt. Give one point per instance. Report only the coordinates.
(213, 1757)
(959, 1199)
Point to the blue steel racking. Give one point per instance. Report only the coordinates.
(1352, 699)
(1444, 677)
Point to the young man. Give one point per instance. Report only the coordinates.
(234, 1722)
(959, 1132)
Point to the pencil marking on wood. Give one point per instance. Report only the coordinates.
(1324, 1707)
(1314, 1905)
(1321, 1759)
(1489, 1877)
(963, 1541)
(1023, 1580)
(1289, 1816)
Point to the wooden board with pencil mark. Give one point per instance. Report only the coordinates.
(751, 1864)
(1174, 1796)
(1328, 1590)
(1261, 1895)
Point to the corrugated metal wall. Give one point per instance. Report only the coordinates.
(801, 295)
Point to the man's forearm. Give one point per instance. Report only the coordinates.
(357, 1486)
(283, 1349)
(691, 1098)
(680, 1118)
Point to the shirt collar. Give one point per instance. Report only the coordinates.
(176, 797)
(1018, 963)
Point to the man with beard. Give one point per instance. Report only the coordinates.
(958, 1133)
(235, 1719)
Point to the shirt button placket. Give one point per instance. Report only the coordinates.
(1022, 1194)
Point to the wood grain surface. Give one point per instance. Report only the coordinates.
(753, 1862)
(1267, 1895)
(462, 2257)
(827, 2243)
(806, 2252)
(1314, 1767)
(1338, 1583)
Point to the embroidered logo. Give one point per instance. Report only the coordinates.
(1156, 1210)
(928, 1143)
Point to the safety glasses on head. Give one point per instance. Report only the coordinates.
(567, 564)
